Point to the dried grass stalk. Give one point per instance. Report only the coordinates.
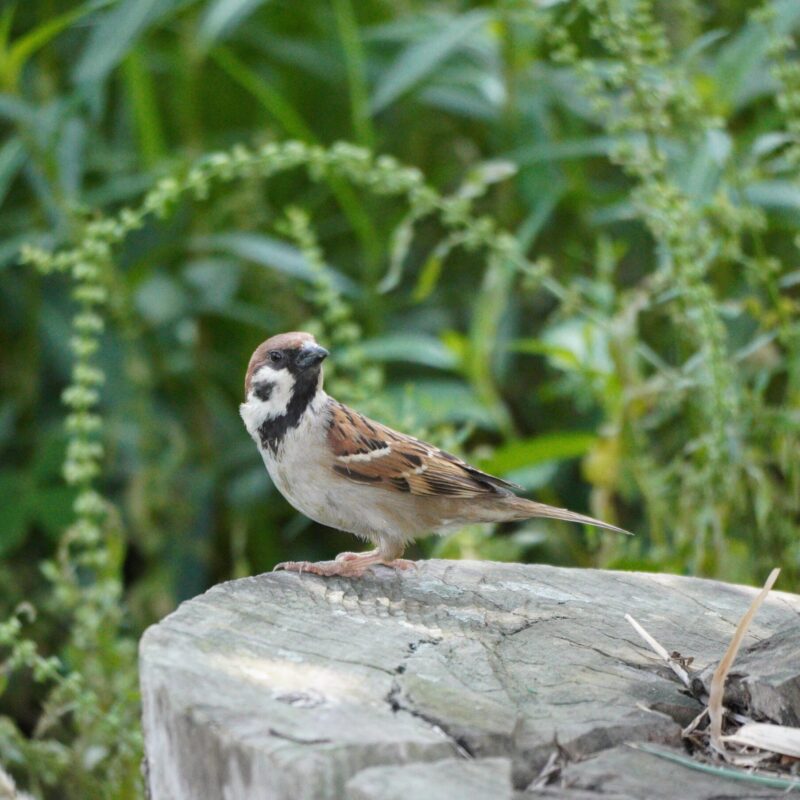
(660, 651)
(717, 688)
(775, 738)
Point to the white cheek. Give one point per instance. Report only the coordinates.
(254, 411)
(282, 388)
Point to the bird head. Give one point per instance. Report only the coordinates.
(282, 368)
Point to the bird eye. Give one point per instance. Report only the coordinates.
(276, 356)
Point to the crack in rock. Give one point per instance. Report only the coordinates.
(393, 698)
(394, 695)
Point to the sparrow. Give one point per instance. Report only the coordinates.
(349, 472)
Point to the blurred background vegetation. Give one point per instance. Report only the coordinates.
(631, 349)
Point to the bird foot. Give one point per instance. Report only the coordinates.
(371, 558)
(345, 565)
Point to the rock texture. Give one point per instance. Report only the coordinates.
(460, 677)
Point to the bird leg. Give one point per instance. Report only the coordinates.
(347, 565)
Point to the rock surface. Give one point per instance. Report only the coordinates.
(459, 677)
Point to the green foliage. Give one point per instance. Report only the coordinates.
(602, 304)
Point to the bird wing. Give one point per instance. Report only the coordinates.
(366, 452)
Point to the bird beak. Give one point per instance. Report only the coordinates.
(310, 355)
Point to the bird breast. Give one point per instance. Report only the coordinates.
(301, 469)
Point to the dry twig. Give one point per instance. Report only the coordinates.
(775, 738)
(671, 662)
(717, 688)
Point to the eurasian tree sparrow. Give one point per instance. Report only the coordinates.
(348, 472)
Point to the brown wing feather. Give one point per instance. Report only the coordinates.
(370, 453)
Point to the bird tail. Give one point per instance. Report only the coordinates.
(527, 509)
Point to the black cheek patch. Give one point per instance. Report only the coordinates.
(263, 390)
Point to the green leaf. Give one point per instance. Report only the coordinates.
(535, 476)
(701, 44)
(462, 101)
(265, 92)
(577, 344)
(486, 335)
(740, 70)
(401, 240)
(144, 108)
(419, 60)
(701, 172)
(774, 194)
(16, 56)
(768, 143)
(15, 110)
(483, 175)
(790, 279)
(347, 25)
(542, 449)
(71, 156)
(428, 276)
(115, 34)
(438, 401)
(297, 53)
(565, 149)
(413, 348)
